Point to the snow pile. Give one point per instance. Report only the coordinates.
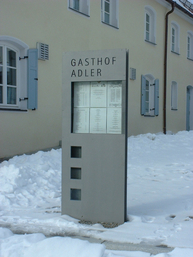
(159, 197)
(38, 245)
(30, 181)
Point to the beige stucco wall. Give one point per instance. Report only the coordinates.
(50, 22)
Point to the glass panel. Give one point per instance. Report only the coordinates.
(107, 7)
(188, 47)
(1, 55)
(147, 107)
(147, 27)
(11, 58)
(147, 35)
(1, 95)
(75, 173)
(1, 75)
(173, 32)
(147, 95)
(76, 151)
(147, 18)
(107, 18)
(75, 194)
(11, 76)
(147, 85)
(76, 5)
(11, 95)
(173, 39)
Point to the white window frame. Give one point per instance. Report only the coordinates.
(5, 84)
(150, 26)
(175, 38)
(174, 95)
(190, 45)
(21, 50)
(80, 6)
(113, 12)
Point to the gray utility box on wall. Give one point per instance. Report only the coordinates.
(94, 135)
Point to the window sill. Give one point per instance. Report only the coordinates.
(148, 115)
(174, 109)
(175, 52)
(190, 59)
(109, 25)
(74, 10)
(12, 110)
(150, 42)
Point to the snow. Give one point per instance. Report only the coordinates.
(181, 4)
(160, 206)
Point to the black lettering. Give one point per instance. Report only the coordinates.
(113, 60)
(107, 60)
(93, 59)
(86, 74)
(80, 62)
(98, 72)
(73, 74)
(80, 73)
(73, 62)
(99, 61)
(86, 62)
(92, 72)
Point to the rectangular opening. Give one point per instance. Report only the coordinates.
(76, 151)
(75, 194)
(75, 173)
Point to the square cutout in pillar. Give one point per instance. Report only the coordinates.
(75, 194)
(75, 173)
(76, 151)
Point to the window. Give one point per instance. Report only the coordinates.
(190, 45)
(175, 32)
(150, 25)
(18, 75)
(109, 12)
(81, 6)
(8, 75)
(174, 95)
(149, 96)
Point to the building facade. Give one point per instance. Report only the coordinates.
(34, 35)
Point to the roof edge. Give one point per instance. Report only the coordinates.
(181, 8)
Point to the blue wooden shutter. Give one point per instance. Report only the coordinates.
(143, 84)
(189, 88)
(156, 97)
(32, 85)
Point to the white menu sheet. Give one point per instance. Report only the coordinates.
(98, 95)
(114, 120)
(114, 94)
(81, 120)
(97, 120)
(82, 94)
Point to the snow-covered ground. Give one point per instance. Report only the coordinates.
(160, 203)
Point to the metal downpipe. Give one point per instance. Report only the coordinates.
(165, 66)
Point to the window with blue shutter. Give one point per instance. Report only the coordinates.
(143, 97)
(32, 85)
(149, 96)
(156, 97)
